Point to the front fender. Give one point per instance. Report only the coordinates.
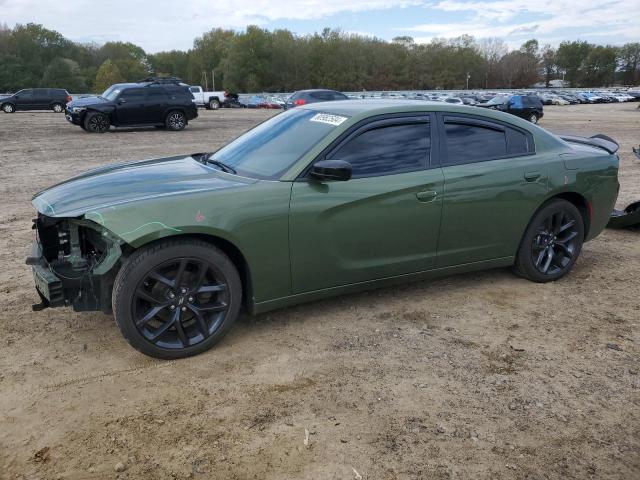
(254, 221)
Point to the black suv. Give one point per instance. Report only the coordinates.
(36, 99)
(528, 107)
(152, 102)
(302, 97)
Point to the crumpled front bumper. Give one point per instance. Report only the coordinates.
(48, 285)
(74, 263)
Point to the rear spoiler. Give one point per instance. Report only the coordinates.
(598, 141)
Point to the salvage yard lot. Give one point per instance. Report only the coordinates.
(480, 375)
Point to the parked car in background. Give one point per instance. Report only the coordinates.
(528, 107)
(322, 200)
(304, 97)
(454, 100)
(36, 99)
(260, 101)
(209, 100)
(153, 102)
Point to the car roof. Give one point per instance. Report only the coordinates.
(370, 107)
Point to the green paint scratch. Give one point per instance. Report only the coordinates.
(99, 215)
(150, 223)
(53, 212)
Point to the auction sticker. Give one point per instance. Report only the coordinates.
(328, 118)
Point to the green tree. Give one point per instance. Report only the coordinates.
(107, 75)
(630, 63)
(570, 59)
(548, 63)
(131, 60)
(64, 73)
(600, 66)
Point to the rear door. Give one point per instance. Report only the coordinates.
(155, 105)
(41, 98)
(494, 182)
(383, 222)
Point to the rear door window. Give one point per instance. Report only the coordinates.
(473, 142)
(469, 140)
(388, 149)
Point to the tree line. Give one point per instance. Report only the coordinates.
(257, 60)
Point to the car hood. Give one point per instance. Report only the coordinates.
(134, 181)
(86, 101)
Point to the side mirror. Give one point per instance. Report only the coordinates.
(336, 170)
(121, 101)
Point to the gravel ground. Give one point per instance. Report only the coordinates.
(475, 376)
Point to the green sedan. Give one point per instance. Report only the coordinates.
(320, 200)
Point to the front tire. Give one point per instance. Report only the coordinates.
(552, 242)
(96, 122)
(176, 298)
(57, 108)
(8, 108)
(175, 121)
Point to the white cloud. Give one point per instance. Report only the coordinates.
(551, 20)
(166, 24)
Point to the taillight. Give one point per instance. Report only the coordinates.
(300, 101)
(69, 98)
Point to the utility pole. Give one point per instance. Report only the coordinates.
(213, 81)
(468, 77)
(206, 84)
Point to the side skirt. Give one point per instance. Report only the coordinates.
(282, 302)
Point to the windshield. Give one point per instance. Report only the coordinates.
(272, 147)
(111, 93)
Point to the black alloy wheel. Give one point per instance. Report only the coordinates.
(181, 303)
(552, 242)
(556, 243)
(176, 298)
(176, 121)
(97, 122)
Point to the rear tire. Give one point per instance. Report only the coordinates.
(175, 120)
(176, 298)
(57, 108)
(533, 118)
(552, 242)
(96, 122)
(8, 108)
(214, 104)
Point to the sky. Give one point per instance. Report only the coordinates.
(158, 25)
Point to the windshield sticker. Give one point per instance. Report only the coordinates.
(328, 118)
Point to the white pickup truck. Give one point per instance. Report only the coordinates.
(209, 100)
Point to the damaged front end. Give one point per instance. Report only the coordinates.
(74, 263)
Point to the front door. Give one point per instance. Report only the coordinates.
(383, 222)
(25, 99)
(130, 107)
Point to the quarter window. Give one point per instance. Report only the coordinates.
(387, 150)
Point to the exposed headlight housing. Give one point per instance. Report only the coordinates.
(78, 109)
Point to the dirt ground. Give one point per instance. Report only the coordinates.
(470, 377)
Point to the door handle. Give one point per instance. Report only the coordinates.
(426, 196)
(531, 176)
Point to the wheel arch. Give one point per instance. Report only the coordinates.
(579, 201)
(228, 248)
